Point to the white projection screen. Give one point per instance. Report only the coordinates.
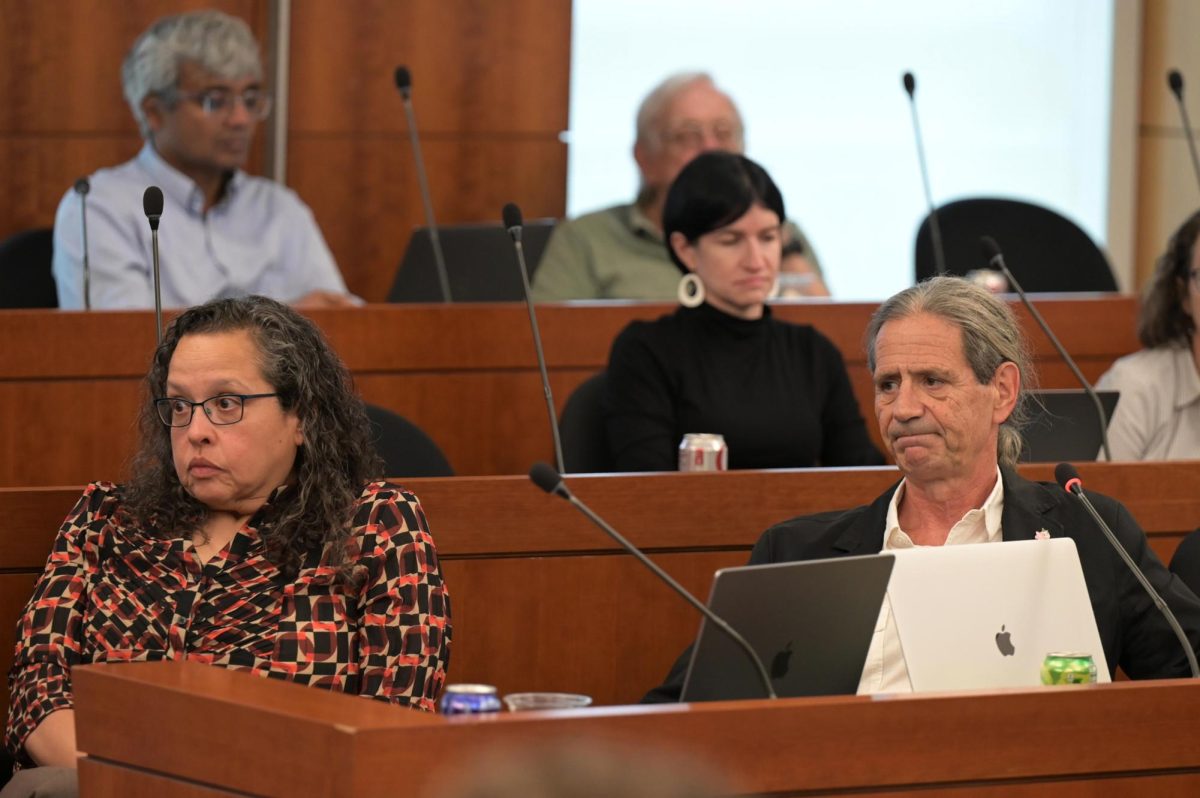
(1015, 100)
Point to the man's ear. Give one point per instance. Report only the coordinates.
(155, 111)
(1007, 382)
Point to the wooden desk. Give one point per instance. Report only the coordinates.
(542, 600)
(70, 382)
(141, 725)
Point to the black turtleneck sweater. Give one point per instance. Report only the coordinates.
(778, 392)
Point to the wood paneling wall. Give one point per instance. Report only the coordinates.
(490, 93)
(466, 374)
(490, 87)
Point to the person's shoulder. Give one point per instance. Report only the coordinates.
(664, 330)
(804, 335)
(387, 508)
(809, 536)
(1134, 368)
(613, 215)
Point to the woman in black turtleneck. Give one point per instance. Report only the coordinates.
(778, 392)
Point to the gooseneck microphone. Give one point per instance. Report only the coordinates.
(152, 204)
(82, 187)
(1175, 83)
(404, 84)
(511, 215)
(995, 259)
(550, 481)
(1068, 479)
(935, 230)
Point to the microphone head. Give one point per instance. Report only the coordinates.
(152, 204)
(549, 480)
(1067, 477)
(511, 215)
(1175, 83)
(403, 80)
(991, 250)
(82, 186)
(910, 83)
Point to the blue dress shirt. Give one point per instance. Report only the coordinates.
(259, 239)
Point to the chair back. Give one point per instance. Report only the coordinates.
(405, 448)
(480, 263)
(26, 280)
(1043, 249)
(581, 427)
(1185, 563)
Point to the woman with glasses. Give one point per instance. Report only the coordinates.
(1158, 412)
(777, 392)
(254, 533)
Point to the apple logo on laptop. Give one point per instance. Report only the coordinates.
(781, 661)
(1004, 642)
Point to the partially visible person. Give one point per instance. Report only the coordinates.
(618, 252)
(777, 392)
(194, 84)
(1158, 412)
(952, 376)
(254, 534)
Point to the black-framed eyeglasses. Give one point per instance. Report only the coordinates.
(220, 102)
(224, 408)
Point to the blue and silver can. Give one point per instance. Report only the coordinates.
(469, 699)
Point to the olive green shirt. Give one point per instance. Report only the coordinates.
(615, 253)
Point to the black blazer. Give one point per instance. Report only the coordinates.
(1134, 634)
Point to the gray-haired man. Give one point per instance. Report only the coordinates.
(194, 84)
(618, 252)
(952, 373)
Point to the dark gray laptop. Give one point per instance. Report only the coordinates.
(810, 622)
(1063, 425)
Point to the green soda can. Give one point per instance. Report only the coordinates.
(1068, 667)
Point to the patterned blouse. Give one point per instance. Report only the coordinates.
(111, 592)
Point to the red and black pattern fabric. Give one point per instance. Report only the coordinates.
(114, 592)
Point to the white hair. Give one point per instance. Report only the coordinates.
(654, 107)
(218, 43)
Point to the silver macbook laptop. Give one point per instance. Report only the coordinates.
(986, 615)
(810, 622)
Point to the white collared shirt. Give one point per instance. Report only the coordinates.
(884, 670)
(259, 239)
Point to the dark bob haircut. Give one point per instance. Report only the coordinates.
(713, 190)
(336, 460)
(1162, 320)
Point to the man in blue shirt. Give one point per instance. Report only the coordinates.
(194, 83)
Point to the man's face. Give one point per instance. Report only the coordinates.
(194, 141)
(700, 118)
(935, 417)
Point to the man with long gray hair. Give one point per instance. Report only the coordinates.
(194, 84)
(951, 373)
(619, 252)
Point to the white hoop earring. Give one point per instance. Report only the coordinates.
(691, 290)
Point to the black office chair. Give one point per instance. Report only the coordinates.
(584, 439)
(1044, 250)
(480, 263)
(406, 450)
(1185, 563)
(25, 277)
